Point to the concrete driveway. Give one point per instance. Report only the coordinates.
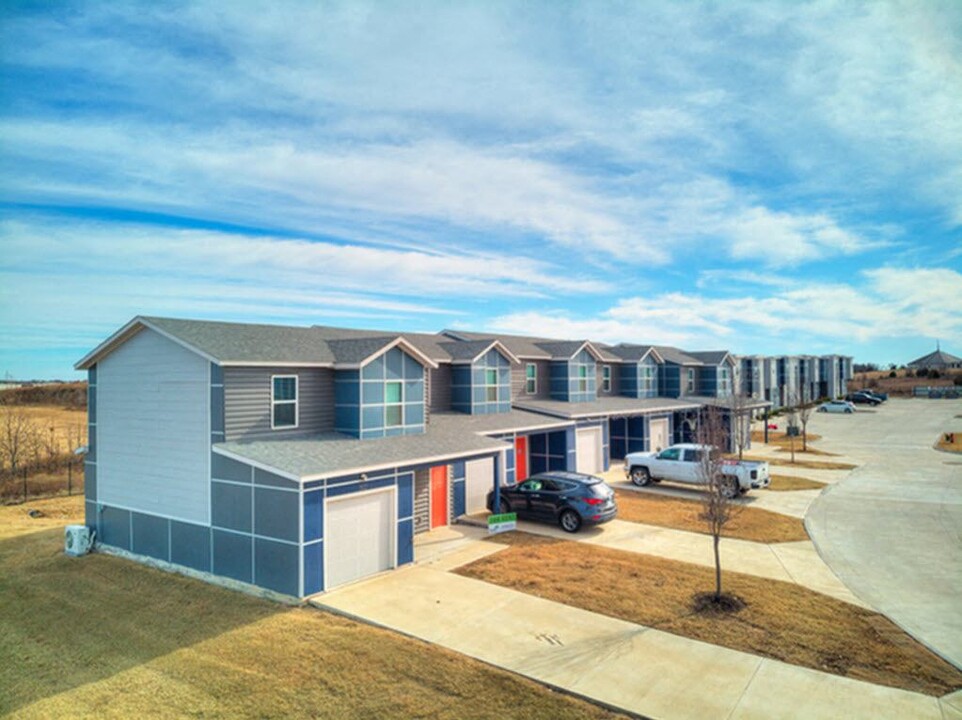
(892, 530)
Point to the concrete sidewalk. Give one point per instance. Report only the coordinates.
(639, 669)
(793, 562)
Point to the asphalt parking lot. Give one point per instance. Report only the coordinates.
(892, 529)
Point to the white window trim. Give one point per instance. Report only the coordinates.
(606, 378)
(582, 379)
(691, 380)
(296, 401)
(394, 404)
(533, 379)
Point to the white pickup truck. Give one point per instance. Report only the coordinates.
(682, 463)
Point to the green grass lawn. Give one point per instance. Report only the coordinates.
(104, 637)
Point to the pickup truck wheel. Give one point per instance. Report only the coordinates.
(640, 476)
(730, 487)
(570, 521)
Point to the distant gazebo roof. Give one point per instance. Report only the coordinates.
(938, 359)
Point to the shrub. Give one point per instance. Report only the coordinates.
(934, 374)
(893, 374)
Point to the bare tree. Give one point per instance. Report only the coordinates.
(804, 415)
(17, 437)
(741, 422)
(720, 489)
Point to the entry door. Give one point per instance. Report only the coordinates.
(588, 449)
(659, 434)
(521, 458)
(439, 496)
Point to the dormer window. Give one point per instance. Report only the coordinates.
(283, 401)
(393, 404)
(691, 380)
(491, 385)
(606, 378)
(531, 379)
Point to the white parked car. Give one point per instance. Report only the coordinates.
(837, 406)
(682, 463)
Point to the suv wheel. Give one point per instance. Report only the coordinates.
(570, 521)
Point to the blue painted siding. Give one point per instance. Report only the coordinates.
(405, 541)
(670, 381)
(548, 451)
(276, 514)
(313, 515)
(190, 545)
(347, 399)
(151, 536)
(457, 486)
(224, 468)
(313, 568)
(231, 506)
(276, 566)
(469, 387)
(707, 382)
(233, 555)
(113, 527)
(574, 380)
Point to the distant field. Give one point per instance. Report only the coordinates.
(68, 395)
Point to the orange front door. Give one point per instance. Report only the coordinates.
(521, 458)
(439, 496)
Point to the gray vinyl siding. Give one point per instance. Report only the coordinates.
(518, 380)
(153, 439)
(439, 388)
(247, 402)
(422, 499)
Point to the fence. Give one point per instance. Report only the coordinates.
(63, 477)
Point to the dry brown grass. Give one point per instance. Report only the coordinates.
(781, 621)
(64, 424)
(788, 483)
(104, 637)
(811, 464)
(746, 524)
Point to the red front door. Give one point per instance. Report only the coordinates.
(521, 458)
(439, 496)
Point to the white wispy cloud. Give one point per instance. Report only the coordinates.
(888, 303)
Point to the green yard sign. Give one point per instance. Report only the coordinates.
(502, 523)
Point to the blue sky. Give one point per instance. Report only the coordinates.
(764, 177)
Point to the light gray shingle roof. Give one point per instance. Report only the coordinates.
(631, 353)
(245, 342)
(611, 406)
(449, 436)
(710, 357)
(676, 356)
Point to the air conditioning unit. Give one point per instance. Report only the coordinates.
(78, 540)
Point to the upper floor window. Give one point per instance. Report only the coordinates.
(724, 382)
(283, 401)
(647, 378)
(583, 378)
(606, 378)
(491, 386)
(531, 378)
(691, 380)
(393, 403)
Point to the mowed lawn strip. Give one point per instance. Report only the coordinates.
(802, 463)
(100, 636)
(781, 621)
(788, 483)
(746, 524)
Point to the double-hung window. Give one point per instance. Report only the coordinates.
(606, 378)
(393, 403)
(724, 388)
(283, 401)
(491, 385)
(531, 378)
(691, 380)
(583, 378)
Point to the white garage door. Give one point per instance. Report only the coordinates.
(359, 536)
(479, 481)
(588, 446)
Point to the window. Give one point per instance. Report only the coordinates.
(606, 378)
(531, 378)
(583, 378)
(724, 387)
(691, 380)
(670, 454)
(491, 386)
(647, 378)
(393, 404)
(283, 401)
